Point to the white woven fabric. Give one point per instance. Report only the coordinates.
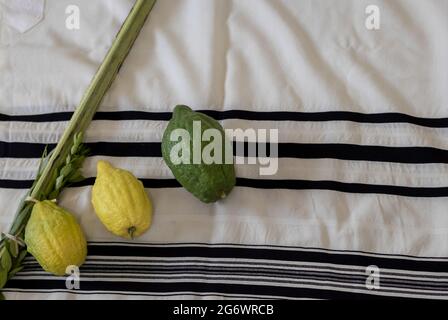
(255, 55)
(22, 15)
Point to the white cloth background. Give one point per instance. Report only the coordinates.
(259, 55)
(21, 15)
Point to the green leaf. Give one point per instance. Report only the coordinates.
(75, 177)
(77, 141)
(66, 170)
(78, 138)
(6, 262)
(43, 160)
(84, 151)
(13, 248)
(19, 259)
(47, 189)
(59, 182)
(14, 271)
(78, 161)
(2, 297)
(54, 194)
(22, 217)
(3, 277)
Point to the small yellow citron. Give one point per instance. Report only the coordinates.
(55, 238)
(121, 202)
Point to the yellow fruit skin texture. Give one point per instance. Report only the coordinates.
(121, 202)
(55, 238)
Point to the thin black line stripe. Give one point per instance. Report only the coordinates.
(269, 254)
(379, 118)
(353, 152)
(33, 266)
(247, 273)
(269, 266)
(254, 254)
(25, 289)
(80, 292)
(355, 188)
(202, 286)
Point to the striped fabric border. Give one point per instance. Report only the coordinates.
(275, 184)
(285, 150)
(247, 115)
(248, 271)
(244, 271)
(349, 152)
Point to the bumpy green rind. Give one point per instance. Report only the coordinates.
(208, 182)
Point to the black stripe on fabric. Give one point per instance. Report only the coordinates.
(44, 117)
(430, 192)
(148, 183)
(285, 150)
(269, 254)
(270, 246)
(422, 192)
(246, 115)
(198, 287)
(153, 272)
(15, 184)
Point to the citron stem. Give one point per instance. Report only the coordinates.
(131, 232)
